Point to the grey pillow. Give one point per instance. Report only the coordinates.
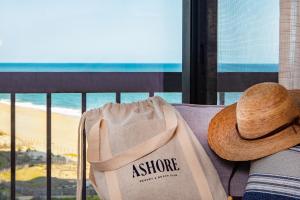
(275, 177)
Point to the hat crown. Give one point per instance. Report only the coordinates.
(263, 108)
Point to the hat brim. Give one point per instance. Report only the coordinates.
(225, 141)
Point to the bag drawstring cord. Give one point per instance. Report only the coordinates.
(80, 157)
(234, 169)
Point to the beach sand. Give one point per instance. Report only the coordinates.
(31, 134)
(31, 129)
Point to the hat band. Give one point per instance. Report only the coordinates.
(295, 121)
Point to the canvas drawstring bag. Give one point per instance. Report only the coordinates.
(145, 150)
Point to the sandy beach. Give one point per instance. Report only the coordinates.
(31, 156)
(31, 129)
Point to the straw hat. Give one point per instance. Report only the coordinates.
(264, 121)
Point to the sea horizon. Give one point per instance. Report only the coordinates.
(128, 67)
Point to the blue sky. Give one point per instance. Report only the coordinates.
(91, 31)
(147, 31)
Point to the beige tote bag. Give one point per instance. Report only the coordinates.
(145, 151)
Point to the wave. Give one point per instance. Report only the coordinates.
(58, 110)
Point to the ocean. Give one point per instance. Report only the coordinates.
(71, 103)
(127, 67)
(90, 67)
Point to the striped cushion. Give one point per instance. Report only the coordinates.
(275, 177)
(296, 148)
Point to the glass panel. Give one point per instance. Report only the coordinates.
(248, 36)
(96, 100)
(227, 98)
(170, 97)
(65, 119)
(130, 97)
(91, 35)
(68, 36)
(4, 146)
(30, 145)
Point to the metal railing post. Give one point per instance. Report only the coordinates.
(13, 146)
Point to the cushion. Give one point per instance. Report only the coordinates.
(275, 177)
(198, 118)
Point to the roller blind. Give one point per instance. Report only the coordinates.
(289, 71)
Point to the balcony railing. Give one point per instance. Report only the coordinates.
(73, 82)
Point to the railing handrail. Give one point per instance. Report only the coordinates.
(89, 82)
